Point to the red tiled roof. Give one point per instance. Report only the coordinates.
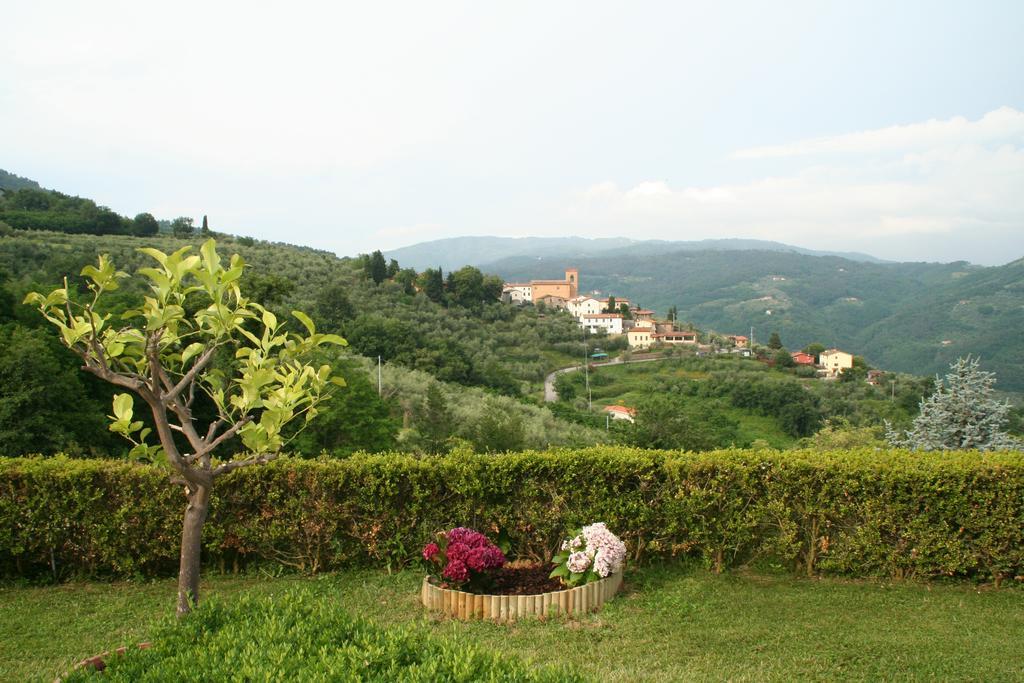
(620, 409)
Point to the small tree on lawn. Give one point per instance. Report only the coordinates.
(231, 349)
(961, 414)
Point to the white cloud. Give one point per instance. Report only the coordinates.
(950, 178)
(999, 125)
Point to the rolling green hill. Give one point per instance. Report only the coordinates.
(454, 252)
(909, 317)
(485, 358)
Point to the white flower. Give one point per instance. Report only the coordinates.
(608, 551)
(578, 563)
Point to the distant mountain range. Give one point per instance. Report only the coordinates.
(910, 317)
(455, 252)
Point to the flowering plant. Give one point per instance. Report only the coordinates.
(592, 553)
(463, 556)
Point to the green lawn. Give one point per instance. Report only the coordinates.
(670, 624)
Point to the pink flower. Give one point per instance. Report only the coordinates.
(467, 537)
(456, 571)
(458, 551)
(483, 558)
(494, 557)
(430, 552)
(466, 554)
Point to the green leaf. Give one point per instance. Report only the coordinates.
(332, 339)
(306, 321)
(559, 572)
(34, 298)
(191, 351)
(210, 257)
(269, 320)
(157, 255)
(123, 407)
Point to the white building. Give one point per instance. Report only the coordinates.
(583, 305)
(517, 293)
(834, 361)
(594, 322)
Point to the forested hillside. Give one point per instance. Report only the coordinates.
(454, 252)
(464, 337)
(25, 206)
(910, 317)
(10, 181)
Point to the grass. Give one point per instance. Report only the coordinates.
(670, 624)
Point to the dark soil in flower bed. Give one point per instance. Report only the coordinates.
(513, 581)
(524, 581)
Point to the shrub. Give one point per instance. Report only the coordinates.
(853, 512)
(298, 637)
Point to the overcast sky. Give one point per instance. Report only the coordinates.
(895, 129)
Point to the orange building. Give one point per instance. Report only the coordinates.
(564, 289)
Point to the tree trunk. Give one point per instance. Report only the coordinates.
(191, 547)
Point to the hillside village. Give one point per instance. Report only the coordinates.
(617, 316)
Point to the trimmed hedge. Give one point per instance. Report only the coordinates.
(300, 637)
(853, 513)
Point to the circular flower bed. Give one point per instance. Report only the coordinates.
(570, 601)
(471, 578)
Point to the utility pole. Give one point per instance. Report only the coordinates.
(586, 366)
(751, 340)
(380, 383)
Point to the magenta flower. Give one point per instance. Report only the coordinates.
(456, 571)
(465, 555)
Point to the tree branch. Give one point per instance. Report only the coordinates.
(133, 382)
(186, 427)
(190, 376)
(153, 356)
(245, 462)
(210, 446)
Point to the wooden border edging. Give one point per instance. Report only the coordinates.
(572, 601)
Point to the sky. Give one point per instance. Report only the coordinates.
(895, 129)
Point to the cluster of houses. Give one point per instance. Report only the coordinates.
(617, 316)
(831, 362)
(611, 315)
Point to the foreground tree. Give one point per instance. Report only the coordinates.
(195, 333)
(963, 413)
